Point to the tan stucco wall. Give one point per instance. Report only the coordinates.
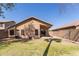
(50, 33)
(64, 32)
(35, 23)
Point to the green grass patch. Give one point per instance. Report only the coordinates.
(37, 48)
(63, 49)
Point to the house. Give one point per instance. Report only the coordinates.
(31, 27)
(3, 28)
(69, 31)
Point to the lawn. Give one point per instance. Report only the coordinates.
(38, 48)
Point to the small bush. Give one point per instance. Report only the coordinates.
(48, 40)
(57, 40)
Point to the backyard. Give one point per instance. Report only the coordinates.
(38, 47)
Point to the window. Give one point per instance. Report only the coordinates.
(1, 25)
(36, 32)
(43, 32)
(11, 32)
(22, 32)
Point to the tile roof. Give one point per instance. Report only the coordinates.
(31, 18)
(72, 24)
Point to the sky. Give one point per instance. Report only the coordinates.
(56, 14)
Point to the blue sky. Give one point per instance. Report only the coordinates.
(56, 14)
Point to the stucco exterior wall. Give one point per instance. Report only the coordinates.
(65, 33)
(36, 25)
(3, 34)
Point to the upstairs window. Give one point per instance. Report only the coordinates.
(1, 25)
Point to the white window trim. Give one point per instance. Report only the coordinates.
(3, 26)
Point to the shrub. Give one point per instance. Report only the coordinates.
(48, 40)
(57, 40)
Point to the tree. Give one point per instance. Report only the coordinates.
(4, 7)
(29, 31)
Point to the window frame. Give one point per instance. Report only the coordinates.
(36, 31)
(12, 32)
(1, 25)
(22, 32)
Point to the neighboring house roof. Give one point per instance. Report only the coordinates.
(13, 23)
(31, 18)
(5, 21)
(70, 25)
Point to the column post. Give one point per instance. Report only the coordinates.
(39, 32)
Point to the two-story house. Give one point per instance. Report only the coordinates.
(3, 28)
